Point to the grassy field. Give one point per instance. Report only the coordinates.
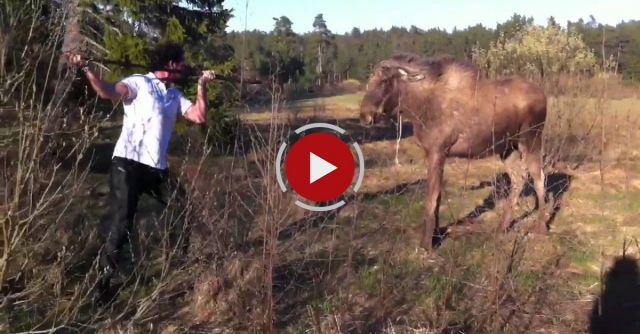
(359, 269)
(362, 267)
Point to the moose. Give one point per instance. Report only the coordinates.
(456, 112)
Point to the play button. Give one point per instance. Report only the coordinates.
(318, 167)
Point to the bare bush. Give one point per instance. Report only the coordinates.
(40, 217)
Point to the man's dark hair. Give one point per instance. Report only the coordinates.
(163, 53)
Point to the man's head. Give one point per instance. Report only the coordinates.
(168, 61)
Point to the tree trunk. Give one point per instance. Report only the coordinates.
(319, 66)
(72, 42)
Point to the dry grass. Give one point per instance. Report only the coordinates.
(477, 282)
(360, 270)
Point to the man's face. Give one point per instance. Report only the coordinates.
(177, 68)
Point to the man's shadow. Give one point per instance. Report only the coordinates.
(617, 310)
(556, 185)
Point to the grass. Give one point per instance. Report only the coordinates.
(460, 278)
(362, 270)
(337, 107)
(346, 101)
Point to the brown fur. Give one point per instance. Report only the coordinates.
(456, 113)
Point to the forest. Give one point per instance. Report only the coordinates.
(322, 55)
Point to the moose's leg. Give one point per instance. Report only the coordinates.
(513, 164)
(533, 152)
(435, 170)
(533, 160)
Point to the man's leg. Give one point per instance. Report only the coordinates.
(123, 200)
(173, 196)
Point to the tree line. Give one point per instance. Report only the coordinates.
(126, 31)
(322, 56)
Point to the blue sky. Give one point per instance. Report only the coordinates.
(343, 15)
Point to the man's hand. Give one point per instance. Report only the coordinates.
(196, 113)
(105, 90)
(76, 60)
(206, 76)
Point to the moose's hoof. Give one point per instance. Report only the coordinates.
(427, 244)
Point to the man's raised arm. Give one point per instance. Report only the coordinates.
(106, 90)
(197, 112)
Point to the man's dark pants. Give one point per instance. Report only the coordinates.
(129, 180)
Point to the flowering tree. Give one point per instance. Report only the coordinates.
(536, 51)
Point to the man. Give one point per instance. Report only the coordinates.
(139, 162)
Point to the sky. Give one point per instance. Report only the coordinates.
(342, 15)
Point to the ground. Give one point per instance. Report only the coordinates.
(478, 280)
(359, 269)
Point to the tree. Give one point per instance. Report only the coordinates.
(282, 26)
(536, 51)
(324, 44)
(283, 53)
(513, 26)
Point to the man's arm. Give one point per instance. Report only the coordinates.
(104, 89)
(107, 90)
(197, 112)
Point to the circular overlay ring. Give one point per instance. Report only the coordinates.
(356, 147)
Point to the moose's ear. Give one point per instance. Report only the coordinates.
(404, 75)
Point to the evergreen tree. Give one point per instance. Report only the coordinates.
(283, 56)
(323, 43)
(132, 28)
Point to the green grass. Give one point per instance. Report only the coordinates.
(454, 284)
(583, 257)
(370, 279)
(343, 101)
(527, 282)
(436, 286)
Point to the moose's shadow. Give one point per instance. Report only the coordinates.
(617, 309)
(556, 185)
(317, 219)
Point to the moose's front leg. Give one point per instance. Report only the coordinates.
(435, 169)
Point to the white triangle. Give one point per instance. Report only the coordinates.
(318, 168)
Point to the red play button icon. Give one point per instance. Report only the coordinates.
(320, 167)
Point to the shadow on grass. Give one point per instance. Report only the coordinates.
(317, 219)
(617, 309)
(556, 185)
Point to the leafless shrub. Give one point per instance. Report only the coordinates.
(39, 207)
(52, 204)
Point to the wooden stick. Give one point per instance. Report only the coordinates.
(192, 72)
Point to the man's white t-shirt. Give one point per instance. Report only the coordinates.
(149, 116)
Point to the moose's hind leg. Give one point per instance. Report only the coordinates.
(513, 165)
(534, 166)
